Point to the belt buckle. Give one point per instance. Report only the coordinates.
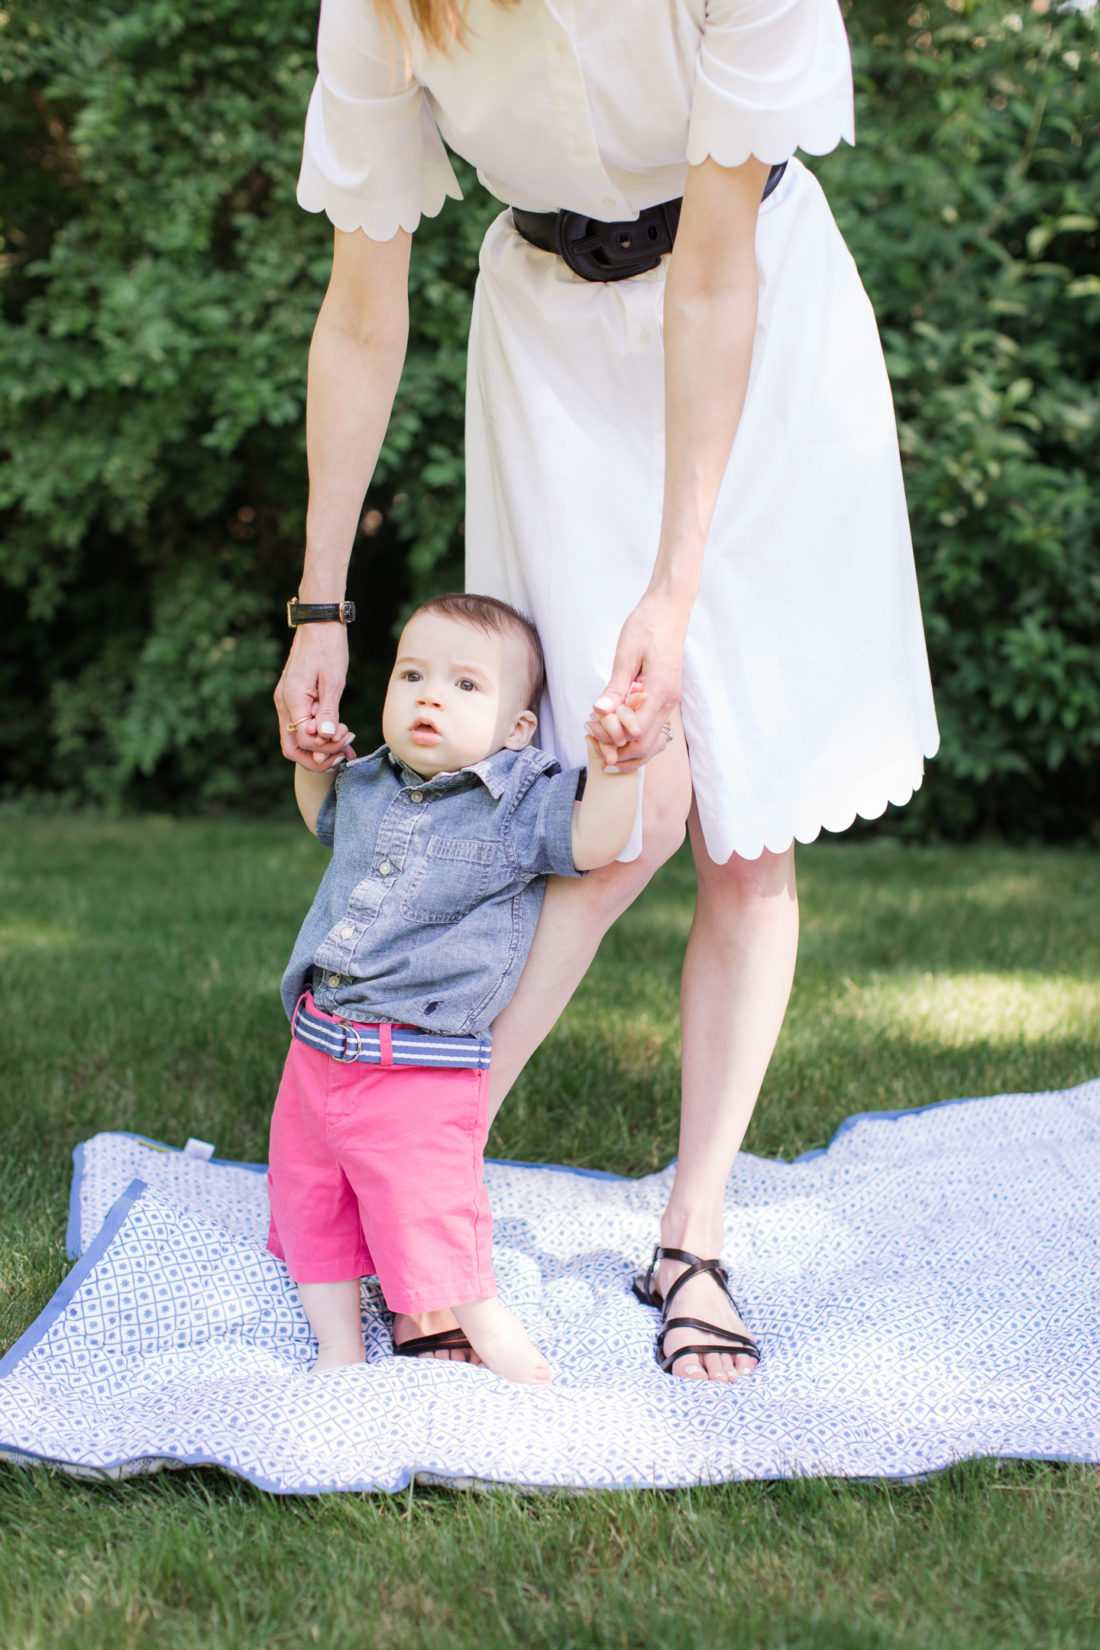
(605, 251)
(349, 1030)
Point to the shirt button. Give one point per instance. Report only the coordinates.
(385, 868)
(416, 796)
(334, 979)
(346, 933)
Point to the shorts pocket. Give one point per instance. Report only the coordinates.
(454, 875)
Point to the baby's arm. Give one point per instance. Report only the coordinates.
(604, 817)
(311, 788)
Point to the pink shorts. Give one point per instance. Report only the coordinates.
(378, 1169)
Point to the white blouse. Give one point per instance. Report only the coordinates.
(598, 106)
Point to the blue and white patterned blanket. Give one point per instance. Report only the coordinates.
(924, 1290)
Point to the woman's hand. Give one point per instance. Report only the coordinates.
(644, 689)
(307, 696)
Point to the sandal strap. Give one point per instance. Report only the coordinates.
(444, 1340)
(668, 1363)
(698, 1269)
(701, 1323)
(644, 1281)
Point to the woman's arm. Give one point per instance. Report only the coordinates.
(709, 326)
(355, 363)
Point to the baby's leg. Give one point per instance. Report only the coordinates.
(333, 1313)
(501, 1342)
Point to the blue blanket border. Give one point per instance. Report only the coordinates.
(57, 1303)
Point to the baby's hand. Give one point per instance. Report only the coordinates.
(338, 747)
(601, 758)
(610, 727)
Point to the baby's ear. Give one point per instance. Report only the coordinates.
(523, 730)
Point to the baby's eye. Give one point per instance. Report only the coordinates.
(467, 686)
(410, 676)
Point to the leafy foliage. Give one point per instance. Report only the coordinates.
(158, 289)
(970, 204)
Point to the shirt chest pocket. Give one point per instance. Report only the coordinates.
(454, 875)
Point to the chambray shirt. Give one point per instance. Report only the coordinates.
(427, 912)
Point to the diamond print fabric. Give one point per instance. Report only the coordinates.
(233, 1194)
(923, 1290)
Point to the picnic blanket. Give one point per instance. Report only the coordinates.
(924, 1289)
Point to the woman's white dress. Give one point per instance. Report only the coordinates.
(806, 692)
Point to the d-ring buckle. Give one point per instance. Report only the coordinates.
(353, 1031)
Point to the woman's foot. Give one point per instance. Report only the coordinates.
(702, 1297)
(411, 1326)
(502, 1342)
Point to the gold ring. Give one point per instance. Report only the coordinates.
(292, 727)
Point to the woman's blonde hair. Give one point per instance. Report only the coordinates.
(440, 22)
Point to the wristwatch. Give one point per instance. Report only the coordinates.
(318, 612)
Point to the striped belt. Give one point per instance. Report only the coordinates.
(386, 1045)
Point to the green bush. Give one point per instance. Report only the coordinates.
(159, 286)
(970, 204)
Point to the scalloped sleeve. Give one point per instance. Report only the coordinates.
(773, 76)
(373, 156)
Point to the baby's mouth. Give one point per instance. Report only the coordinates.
(424, 731)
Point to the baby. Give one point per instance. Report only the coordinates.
(415, 941)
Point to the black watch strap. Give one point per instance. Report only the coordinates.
(318, 612)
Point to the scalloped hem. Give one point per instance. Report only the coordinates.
(871, 803)
(869, 807)
(379, 220)
(775, 140)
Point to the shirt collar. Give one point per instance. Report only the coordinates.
(494, 772)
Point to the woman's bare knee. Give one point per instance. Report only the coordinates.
(740, 881)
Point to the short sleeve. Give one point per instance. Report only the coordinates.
(773, 76)
(540, 830)
(373, 157)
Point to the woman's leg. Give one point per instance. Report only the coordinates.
(737, 979)
(576, 914)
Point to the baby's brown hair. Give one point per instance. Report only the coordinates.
(487, 613)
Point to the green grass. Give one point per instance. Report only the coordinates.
(141, 962)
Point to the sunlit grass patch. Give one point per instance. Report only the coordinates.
(142, 962)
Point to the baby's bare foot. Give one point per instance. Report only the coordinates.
(442, 1325)
(502, 1343)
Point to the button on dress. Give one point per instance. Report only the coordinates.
(806, 696)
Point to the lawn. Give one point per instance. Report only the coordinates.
(142, 960)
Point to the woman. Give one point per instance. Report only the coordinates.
(784, 672)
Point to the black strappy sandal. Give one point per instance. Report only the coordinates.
(694, 1268)
(425, 1346)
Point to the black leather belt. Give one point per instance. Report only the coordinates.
(611, 251)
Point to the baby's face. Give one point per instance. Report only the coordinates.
(455, 695)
